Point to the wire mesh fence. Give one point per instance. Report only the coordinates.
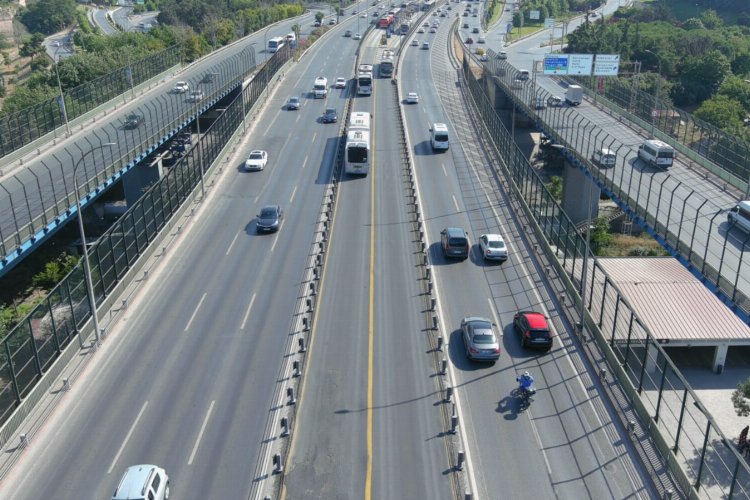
(29, 349)
(689, 221)
(727, 151)
(24, 127)
(711, 463)
(40, 196)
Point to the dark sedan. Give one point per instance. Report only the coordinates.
(133, 121)
(330, 116)
(269, 219)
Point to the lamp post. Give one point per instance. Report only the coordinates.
(656, 96)
(86, 265)
(62, 97)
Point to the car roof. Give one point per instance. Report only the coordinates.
(133, 480)
(455, 231)
(493, 237)
(536, 320)
(474, 319)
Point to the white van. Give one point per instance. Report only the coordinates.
(523, 74)
(141, 482)
(439, 136)
(604, 157)
(656, 153)
(740, 216)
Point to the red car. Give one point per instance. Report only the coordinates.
(533, 329)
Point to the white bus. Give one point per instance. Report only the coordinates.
(275, 43)
(364, 83)
(656, 153)
(359, 120)
(386, 65)
(357, 153)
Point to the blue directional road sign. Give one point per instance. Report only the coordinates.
(555, 64)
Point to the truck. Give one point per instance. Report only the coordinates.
(574, 95)
(320, 88)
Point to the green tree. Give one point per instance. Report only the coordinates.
(721, 111)
(319, 16)
(737, 89)
(48, 16)
(600, 235)
(701, 77)
(710, 19)
(741, 399)
(693, 24)
(555, 187)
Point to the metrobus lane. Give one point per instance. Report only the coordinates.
(366, 422)
(566, 437)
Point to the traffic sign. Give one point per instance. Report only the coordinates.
(556, 64)
(607, 64)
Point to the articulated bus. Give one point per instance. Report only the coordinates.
(386, 64)
(275, 43)
(357, 151)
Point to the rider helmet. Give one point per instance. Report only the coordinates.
(525, 374)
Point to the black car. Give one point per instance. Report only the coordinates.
(208, 78)
(269, 219)
(133, 121)
(330, 116)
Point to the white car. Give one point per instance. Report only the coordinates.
(357, 36)
(363, 15)
(433, 30)
(56, 43)
(426, 46)
(412, 98)
(340, 83)
(415, 43)
(420, 30)
(493, 247)
(197, 96)
(256, 161)
(181, 87)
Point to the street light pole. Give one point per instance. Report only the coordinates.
(86, 265)
(62, 97)
(656, 96)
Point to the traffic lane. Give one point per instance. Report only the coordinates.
(242, 256)
(328, 456)
(409, 459)
(100, 18)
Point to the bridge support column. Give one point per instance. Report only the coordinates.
(140, 178)
(576, 188)
(720, 357)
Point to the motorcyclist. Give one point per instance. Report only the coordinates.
(526, 382)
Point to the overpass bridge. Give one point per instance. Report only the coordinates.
(38, 194)
(683, 207)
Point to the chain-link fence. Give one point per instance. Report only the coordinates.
(40, 196)
(31, 347)
(689, 221)
(24, 127)
(664, 400)
(727, 152)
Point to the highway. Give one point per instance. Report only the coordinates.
(568, 437)
(685, 199)
(34, 191)
(370, 420)
(188, 376)
(99, 17)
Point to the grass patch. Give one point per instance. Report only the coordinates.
(633, 246)
(526, 30)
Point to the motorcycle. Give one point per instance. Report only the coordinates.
(526, 389)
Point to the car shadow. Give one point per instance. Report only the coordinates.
(424, 148)
(512, 344)
(437, 258)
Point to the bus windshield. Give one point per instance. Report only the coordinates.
(356, 154)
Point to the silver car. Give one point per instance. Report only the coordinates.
(480, 339)
(493, 247)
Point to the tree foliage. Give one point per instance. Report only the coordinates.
(48, 16)
(741, 399)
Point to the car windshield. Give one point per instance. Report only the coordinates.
(484, 338)
(457, 242)
(330, 111)
(256, 156)
(293, 99)
(267, 213)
